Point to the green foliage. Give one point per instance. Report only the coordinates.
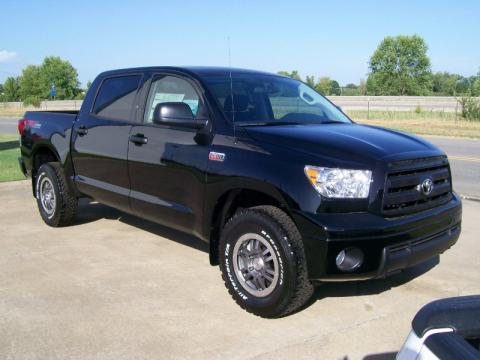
(310, 80)
(334, 88)
(32, 100)
(31, 84)
(476, 86)
(35, 82)
(11, 89)
(294, 74)
(323, 85)
(400, 66)
(418, 109)
(80, 96)
(62, 74)
(470, 108)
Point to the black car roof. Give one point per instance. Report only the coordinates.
(200, 71)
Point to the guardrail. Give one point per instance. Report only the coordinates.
(398, 103)
(365, 103)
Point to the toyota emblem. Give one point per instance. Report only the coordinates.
(426, 187)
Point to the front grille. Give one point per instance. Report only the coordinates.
(402, 196)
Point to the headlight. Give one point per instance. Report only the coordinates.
(340, 183)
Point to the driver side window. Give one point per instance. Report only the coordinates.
(170, 89)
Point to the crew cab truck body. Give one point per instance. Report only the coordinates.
(285, 188)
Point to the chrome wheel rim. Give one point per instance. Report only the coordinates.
(47, 196)
(255, 264)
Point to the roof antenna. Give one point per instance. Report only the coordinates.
(231, 89)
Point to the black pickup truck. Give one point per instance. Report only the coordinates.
(287, 190)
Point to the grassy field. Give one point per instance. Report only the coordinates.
(9, 153)
(423, 123)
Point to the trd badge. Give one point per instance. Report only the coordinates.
(216, 156)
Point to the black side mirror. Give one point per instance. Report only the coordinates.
(176, 114)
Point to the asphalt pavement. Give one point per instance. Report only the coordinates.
(117, 287)
(8, 125)
(464, 155)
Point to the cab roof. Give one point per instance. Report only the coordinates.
(200, 71)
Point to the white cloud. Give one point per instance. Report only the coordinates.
(6, 56)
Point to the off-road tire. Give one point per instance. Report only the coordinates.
(65, 210)
(293, 289)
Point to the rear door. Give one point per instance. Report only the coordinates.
(100, 141)
(167, 168)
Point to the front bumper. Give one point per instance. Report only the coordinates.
(389, 245)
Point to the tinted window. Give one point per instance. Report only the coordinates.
(263, 99)
(116, 97)
(171, 89)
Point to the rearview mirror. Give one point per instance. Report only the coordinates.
(176, 114)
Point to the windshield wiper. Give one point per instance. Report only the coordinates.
(268, 123)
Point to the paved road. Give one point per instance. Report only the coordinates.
(116, 287)
(464, 157)
(8, 125)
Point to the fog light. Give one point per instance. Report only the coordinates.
(349, 259)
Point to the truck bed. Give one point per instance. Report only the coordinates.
(46, 128)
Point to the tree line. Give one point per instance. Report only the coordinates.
(399, 66)
(36, 81)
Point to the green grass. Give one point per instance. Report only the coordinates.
(9, 153)
(422, 123)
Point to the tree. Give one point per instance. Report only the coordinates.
(323, 85)
(350, 89)
(294, 74)
(31, 84)
(310, 80)
(476, 87)
(61, 73)
(11, 89)
(448, 84)
(334, 88)
(400, 66)
(362, 87)
(36, 81)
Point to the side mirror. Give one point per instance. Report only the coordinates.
(176, 114)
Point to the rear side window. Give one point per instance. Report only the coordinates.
(116, 97)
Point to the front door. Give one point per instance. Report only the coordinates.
(100, 142)
(166, 164)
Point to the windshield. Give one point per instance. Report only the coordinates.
(271, 100)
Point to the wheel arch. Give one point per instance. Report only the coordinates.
(41, 154)
(229, 201)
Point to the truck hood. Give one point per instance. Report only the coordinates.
(357, 143)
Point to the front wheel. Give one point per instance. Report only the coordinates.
(263, 262)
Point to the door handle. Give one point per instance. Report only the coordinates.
(82, 130)
(138, 139)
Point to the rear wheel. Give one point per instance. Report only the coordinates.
(263, 262)
(56, 202)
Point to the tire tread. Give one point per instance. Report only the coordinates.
(303, 288)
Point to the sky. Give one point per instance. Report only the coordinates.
(319, 38)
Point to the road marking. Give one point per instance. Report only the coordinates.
(464, 158)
